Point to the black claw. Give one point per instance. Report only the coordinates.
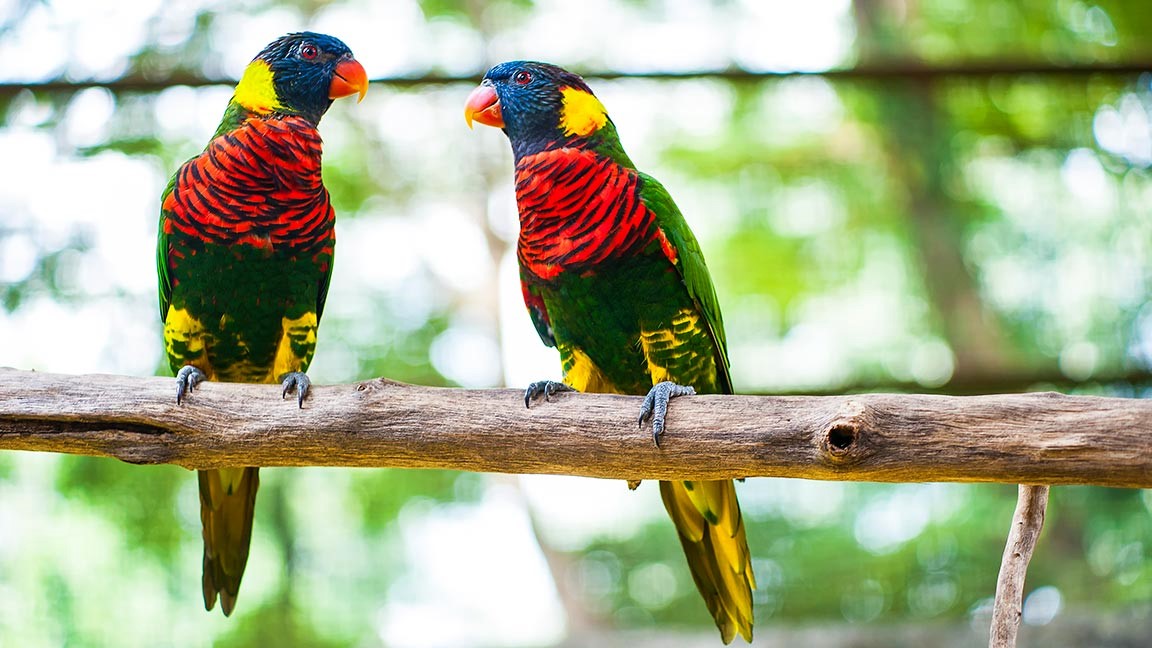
(186, 381)
(546, 387)
(656, 405)
(299, 381)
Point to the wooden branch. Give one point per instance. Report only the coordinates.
(1025, 438)
(1027, 522)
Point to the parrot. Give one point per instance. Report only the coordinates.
(613, 277)
(244, 257)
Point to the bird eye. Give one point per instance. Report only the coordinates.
(523, 77)
(308, 52)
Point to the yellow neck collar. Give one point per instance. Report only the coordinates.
(256, 92)
(582, 113)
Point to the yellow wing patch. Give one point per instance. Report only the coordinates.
(296, 346)
(582, 113)
(581, 374)
(659, 343)
(256, 91)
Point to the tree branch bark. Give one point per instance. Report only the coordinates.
(1023, 438)
(1027, 522)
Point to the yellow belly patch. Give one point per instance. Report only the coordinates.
(581, 374)
(297, 344)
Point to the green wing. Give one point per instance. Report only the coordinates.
(165, 282)
(322, 294)
(690, 264)
(537, 310)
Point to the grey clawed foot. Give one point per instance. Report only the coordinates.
(299, 381)
(656, 405)
(545, 387)
(186, 380)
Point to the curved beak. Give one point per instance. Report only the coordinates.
(483, 106)
(350, 78)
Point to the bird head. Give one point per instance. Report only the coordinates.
(535, 103)
(300, 74)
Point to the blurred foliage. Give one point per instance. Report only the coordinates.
(918, 231)
(1093, 551)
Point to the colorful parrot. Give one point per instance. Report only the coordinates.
(244, 256)
(613, 277)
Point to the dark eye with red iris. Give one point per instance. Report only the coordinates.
(523, 77)
(308, 52)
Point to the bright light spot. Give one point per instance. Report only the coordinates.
(1125, 130)
(503, 217)
(814, 35)
(388, 38)
(177, 111)
(1078, 360)
(17, 257)
(39, 33)
(1099, 26)
(932, 363)
(1089, 182)
(771, 591)
(98, 336)
(374, 245)
(26, 110)
(799, 108)
(461, 588)
(807, 208)
(804, 503)
(888, 521)
(682, 45)
(458, 47)
(574, 511)
(933, 596)
(104, 52)
(863, 602)
(980, 614)
(1042, 605)
(467, 356)
(28, 172)
(526, 359)
(700, 109)
(652, 585)
(453, 246)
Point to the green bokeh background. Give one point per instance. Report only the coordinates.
(963, 232)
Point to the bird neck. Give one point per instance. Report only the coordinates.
(603, 141)
(236, 115)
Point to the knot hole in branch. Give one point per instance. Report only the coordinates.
(841, 443)
(377, 384)
(841, 437)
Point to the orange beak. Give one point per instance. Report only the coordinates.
(483, 106)
(350, 79)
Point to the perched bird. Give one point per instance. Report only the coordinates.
(244, 256)
(613, 277)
